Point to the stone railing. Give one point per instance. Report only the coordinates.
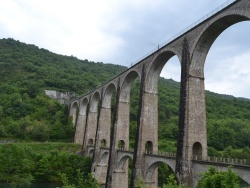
(222, 160)
(207, 159)
(126, 150)
(195, 157)
(161, 153)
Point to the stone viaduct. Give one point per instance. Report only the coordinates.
(109, 144)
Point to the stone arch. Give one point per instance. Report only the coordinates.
(151, 111)
(74, 112)
(106, 103)
(121, 145)
(104, 158)
(149, 147)
(197, 151)
(199, 51)
(205, 40)
(94, 102)
(104, 120)
(92, 118)
(103, 143)
(83, 106)
(122, 161)
(81, 121)
(152, 168)
(156, 68)
(126, 85)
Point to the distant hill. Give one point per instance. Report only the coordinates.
(26, 70)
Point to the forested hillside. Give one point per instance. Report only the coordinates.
(26, 113)
(39, 165)
(20, 62)
(25, 71)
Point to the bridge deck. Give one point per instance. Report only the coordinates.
(209, 159)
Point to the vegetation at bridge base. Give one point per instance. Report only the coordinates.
(210, 179)
(215, 179)
(25, 165)
(79, 181)
(171, 183)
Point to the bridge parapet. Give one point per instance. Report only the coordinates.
(163, 153)
(233, 161)
(222, 160)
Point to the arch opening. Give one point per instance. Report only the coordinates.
(108, 95)
(129, 97)
(106, 115)
(74, 111)
(121, 145)
(221, 55)
(206, 40)
(92, 120)
(127, 85)
(156, 70)
(94, 103)
(126, 164)
(103, 143)
(197, 151)
(164, 96)
(126, 111)
(149, 147)
(81, 122)
(164, 76)
(104, 158)
(90, 142)
(229, 54)
(83, 107)
(163, 172)
(133, 111)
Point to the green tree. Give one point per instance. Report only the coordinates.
(16, 166)
(139, 183)
(79, 181)
(215, 179)
(172, 183)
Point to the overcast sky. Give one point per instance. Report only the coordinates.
(122, 31)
